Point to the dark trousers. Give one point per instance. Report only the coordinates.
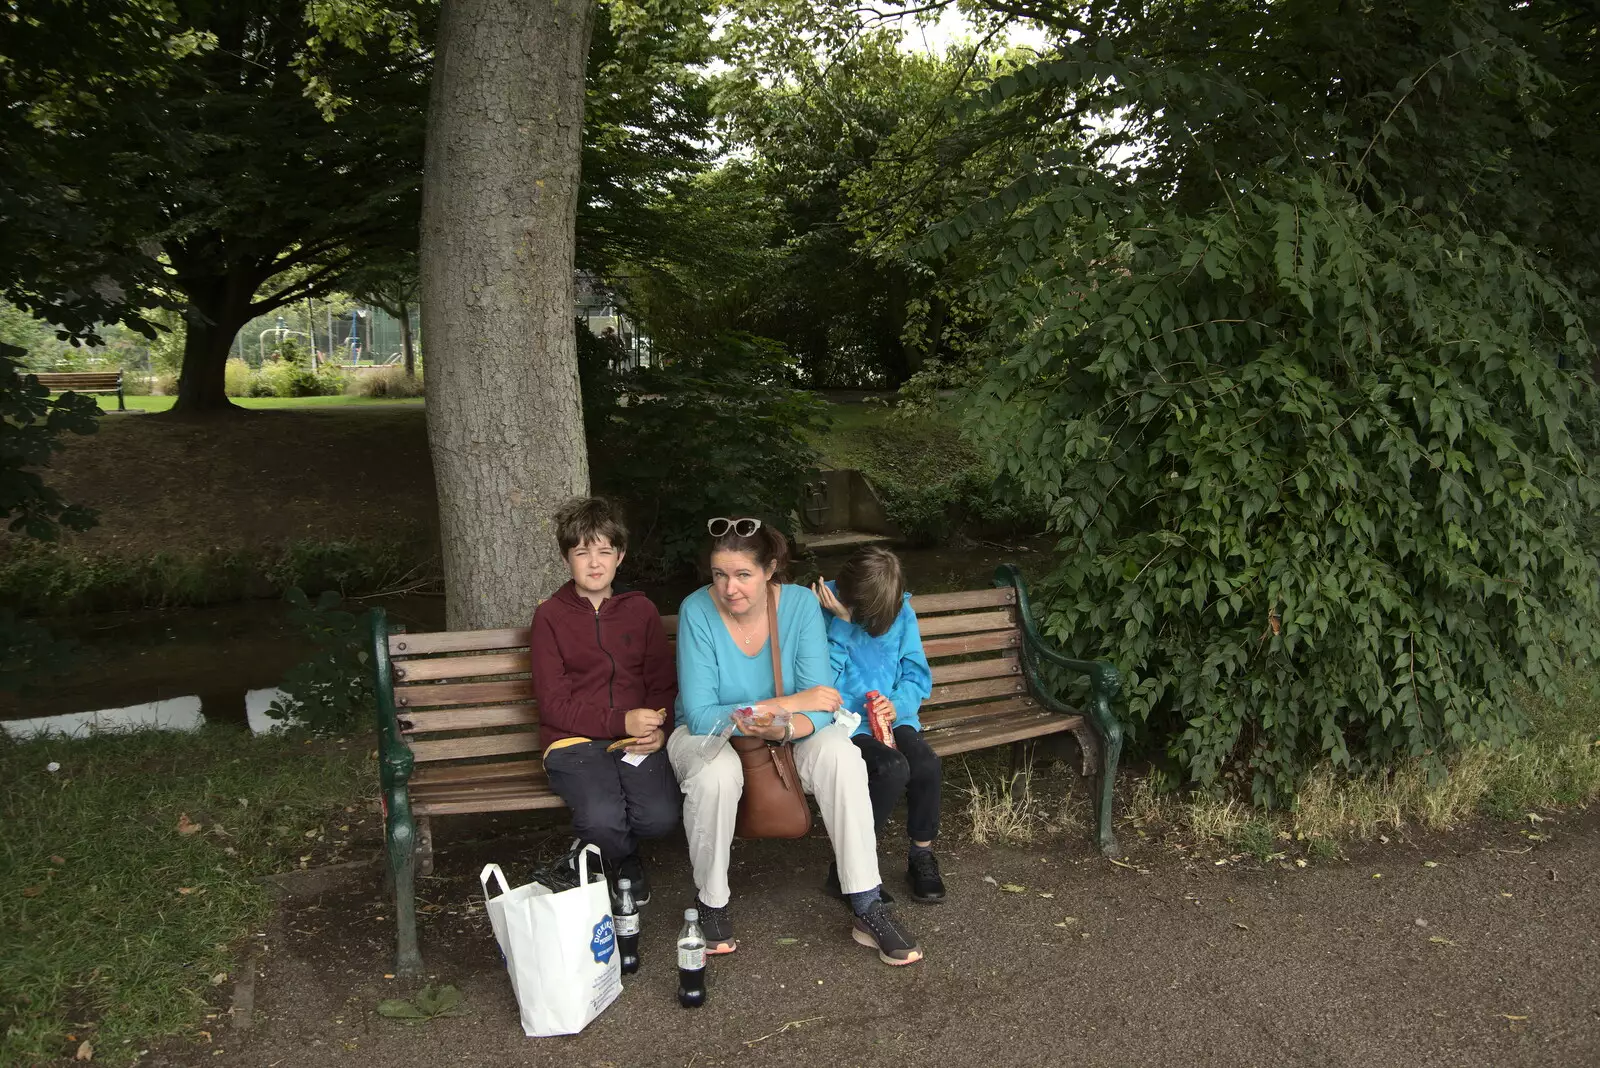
(911, 769)
(615, 804)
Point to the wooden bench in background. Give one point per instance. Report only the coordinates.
(84, 382)
(458, 727)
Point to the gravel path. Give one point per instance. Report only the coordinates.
(1477, 948)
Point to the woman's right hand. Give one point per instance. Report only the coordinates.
(816, 699)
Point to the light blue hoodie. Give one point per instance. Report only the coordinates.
(892, 663)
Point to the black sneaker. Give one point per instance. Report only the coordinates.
(879, 928)
(831, 886)
(922, 872)
(632, 869)
(717, 926)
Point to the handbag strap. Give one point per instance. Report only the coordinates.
(772, 638)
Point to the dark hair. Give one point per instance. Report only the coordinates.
(871, 584)
(586, 519)
(766, 545)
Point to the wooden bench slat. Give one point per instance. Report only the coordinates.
(467, 719)
(79, 379)
(485, 745)
(1000, 730)
(428, 694)
(457, 641)
(434, 774)
(977, 643)
(475, 805)
(974, 691)
(461, 667)
(928, 603)
(962, 671)
(967, 623)
(935, 719)
(457, 791)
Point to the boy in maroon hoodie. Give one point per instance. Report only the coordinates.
(603, 672)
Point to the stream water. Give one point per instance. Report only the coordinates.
(182, 668)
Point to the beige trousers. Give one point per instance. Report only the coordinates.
(831, 770)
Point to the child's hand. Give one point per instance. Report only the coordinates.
(641, 721)
(648, 743)
(883, 702)
(829, 600)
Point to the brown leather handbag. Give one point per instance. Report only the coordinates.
(773, 804)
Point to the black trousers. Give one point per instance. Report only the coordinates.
(911, 769)
(614, 804)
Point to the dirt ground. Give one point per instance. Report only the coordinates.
(1477, 948)
(261, 478)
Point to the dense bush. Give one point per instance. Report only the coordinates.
(1315, 468)
(236, 378)
(385, 382)
(717, 431)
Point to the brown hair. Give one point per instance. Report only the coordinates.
(765, 545)
(586, 519)
(871, 584)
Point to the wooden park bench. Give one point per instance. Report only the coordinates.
(84, 382)
(458, 727)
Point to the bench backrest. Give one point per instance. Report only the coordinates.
(80, 380)
(467, 695)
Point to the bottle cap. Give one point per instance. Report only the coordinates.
(692, 915)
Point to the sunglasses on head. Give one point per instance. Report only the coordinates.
(741, 527)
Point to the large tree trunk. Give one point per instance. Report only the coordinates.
(219, 306)
(499, 204)
(405, 341)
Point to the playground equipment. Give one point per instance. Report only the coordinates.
(281, 331)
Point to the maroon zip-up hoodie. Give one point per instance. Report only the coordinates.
(591, 667)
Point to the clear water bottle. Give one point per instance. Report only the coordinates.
(691, 962)
(627, 921)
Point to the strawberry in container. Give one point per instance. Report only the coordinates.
(880, 718)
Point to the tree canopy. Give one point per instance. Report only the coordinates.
(1291, 343)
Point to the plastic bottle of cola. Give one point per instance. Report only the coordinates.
(691, 962)
(627, 922)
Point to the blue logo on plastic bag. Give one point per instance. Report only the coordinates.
(604, 942)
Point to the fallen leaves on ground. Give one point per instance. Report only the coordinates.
(430, 1003)
(85, 1051)
(1013, 888)
(186, 826)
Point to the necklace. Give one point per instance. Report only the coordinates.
(745, 636)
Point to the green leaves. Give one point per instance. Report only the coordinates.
(1306, 519)
(31, 425)
(430, 1003)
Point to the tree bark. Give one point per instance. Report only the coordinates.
(405, 341)
(499, 204)
(216, 313)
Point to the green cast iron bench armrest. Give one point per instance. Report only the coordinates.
(1105, 683)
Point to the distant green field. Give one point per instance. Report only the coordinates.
(161, 404)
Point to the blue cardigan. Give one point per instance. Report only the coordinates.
(892, 663)
(715, 676)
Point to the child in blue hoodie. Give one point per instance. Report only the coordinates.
(875, 647)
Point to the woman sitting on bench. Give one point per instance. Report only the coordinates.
(724, 664)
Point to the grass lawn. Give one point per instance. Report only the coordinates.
(127, 877)
(108, 402)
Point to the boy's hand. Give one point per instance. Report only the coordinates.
(649, 743)
(829, 600)
(641, 721)
(883, 702)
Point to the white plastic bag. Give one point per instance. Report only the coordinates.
(560, 948)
